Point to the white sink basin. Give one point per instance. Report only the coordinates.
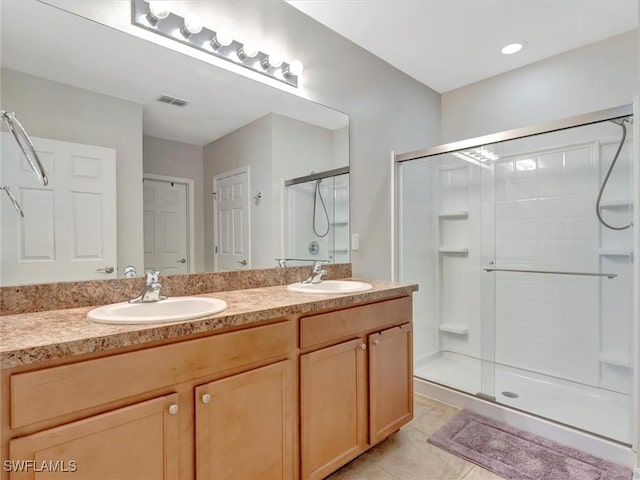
(173, 309)
(331, 287)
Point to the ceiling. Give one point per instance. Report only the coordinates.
(447, 44)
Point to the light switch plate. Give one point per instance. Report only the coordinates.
(355, 241)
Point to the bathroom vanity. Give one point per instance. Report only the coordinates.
(280, 385)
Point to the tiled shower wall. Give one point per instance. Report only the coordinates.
(417, 261)
(575, 327)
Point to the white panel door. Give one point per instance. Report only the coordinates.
(165, 227)
(69, 227)
(232, 224)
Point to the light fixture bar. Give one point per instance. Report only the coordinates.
(207, 40)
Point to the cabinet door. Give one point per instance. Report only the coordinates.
(244, 425)
(139, 441)
(390, 381)
(333, 407)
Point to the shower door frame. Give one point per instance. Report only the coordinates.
(554, 126)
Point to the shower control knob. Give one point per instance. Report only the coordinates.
(206, 398)
(363, 346)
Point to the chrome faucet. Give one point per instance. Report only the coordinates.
(151, 292)
(316, 272)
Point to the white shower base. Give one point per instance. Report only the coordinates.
(595, 410)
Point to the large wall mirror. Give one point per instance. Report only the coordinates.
(157, 159)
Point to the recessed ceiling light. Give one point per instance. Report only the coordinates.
(513, 48)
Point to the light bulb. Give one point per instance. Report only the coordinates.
(247, 50)
(192, 25)
(223, 38)
(157, 11)
(273, 60)
(295, 68)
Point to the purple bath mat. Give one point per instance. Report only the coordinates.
(517, 455)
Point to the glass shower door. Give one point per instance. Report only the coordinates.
(561, 279)
(443, 200)
(525, 295)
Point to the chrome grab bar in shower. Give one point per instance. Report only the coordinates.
(552, 272)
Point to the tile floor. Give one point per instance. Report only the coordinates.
(408, 456)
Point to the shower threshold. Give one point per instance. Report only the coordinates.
(602, 412)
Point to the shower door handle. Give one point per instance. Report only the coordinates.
(553, 272)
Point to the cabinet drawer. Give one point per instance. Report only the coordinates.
(326, 327)
(56, 391)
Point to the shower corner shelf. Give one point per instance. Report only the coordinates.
(454, 251)
(453, 214)
(454, 328)
(616, 203)
(609, 252)
(614, 359)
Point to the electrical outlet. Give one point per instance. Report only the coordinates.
(355, 241)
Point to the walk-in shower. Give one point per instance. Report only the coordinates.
(316, 223)
(526, 298)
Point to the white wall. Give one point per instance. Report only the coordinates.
(583, 80)
(92, 119)
(177, 159)
(248, 146)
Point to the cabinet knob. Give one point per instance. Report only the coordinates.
(173, 409)
(376, 342)
(363, 346)
(206, 398)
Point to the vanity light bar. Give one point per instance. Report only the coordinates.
(190, 31)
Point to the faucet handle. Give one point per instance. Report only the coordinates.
(152, 276)
(317, 265)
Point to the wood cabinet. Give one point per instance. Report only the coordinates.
(390, 381)
(244, 426)
(245, 404)
(135, 442)
(356, 393)
(333, 407)
(218, 407)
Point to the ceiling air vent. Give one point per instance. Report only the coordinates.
(178, 102)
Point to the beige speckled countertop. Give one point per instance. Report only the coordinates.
(32, 338)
